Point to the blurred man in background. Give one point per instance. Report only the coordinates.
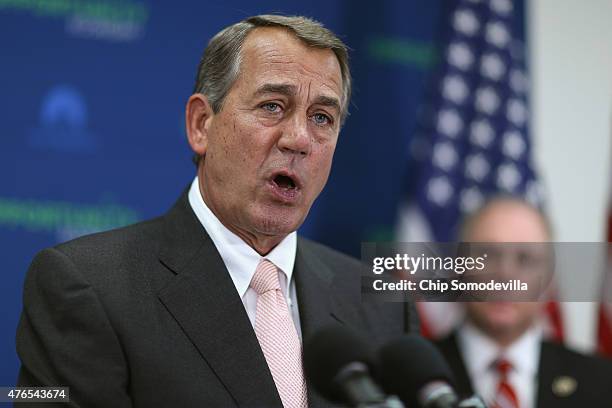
(499, 351)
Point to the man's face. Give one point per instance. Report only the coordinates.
(507, 222)
(269, 150)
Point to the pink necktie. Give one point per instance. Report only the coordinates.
(278, 337)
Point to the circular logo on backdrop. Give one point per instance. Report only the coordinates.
(62, 122)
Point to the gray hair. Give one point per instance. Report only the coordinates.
(220, 64)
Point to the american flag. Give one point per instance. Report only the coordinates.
(604, 318)
(472, 140)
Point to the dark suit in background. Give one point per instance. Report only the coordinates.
(565, 378)
(148, 316)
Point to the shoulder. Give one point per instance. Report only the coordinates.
(113, 242)
(331, 257)
(103, 260)
(589, 364)
(570, 378)
(344, 273)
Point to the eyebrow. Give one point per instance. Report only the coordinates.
(327, 101)
(291, 90)
(283, 89)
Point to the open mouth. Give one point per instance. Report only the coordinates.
(285, 182)
(286, 187)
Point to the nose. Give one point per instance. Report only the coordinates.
(295, 137)
(507, 267)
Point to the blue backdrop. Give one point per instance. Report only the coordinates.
(92, 136)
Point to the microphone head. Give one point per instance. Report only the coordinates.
(330, 351)
(410, 363)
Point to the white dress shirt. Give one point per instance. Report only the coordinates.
(241, 260)
(479, 352)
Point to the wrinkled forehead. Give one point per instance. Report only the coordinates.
(272, 54)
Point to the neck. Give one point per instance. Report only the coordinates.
(506, 340)
(261, 244)
(502, 337)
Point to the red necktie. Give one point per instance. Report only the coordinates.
(506, 395)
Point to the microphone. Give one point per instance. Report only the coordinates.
(414, 370)
(339, 364)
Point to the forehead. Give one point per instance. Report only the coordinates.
(509, 222)
(275, 54)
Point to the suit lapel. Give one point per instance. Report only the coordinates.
(451, 352)
(546, 368)
(322, 299)
(312, 286)
(318, 308)
(551, 368)
(203, 300)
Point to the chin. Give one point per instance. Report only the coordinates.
(502, 318)
(503, 326)
(279, 223)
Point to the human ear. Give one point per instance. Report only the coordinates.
(198, 117)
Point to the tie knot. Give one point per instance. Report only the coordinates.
(503, 366)
(265, 278)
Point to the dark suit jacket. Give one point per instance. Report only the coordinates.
(558, 368)
(148, 316)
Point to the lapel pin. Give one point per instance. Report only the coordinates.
(564, 386)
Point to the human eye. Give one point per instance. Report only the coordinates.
(322, 119)
(272, 107)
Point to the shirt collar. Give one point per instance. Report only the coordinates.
(480, 351)
(524, 353)
(240, 259)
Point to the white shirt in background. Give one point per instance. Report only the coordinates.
(479, 352)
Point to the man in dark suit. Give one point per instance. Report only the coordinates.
(207, 306)
(499, 351)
